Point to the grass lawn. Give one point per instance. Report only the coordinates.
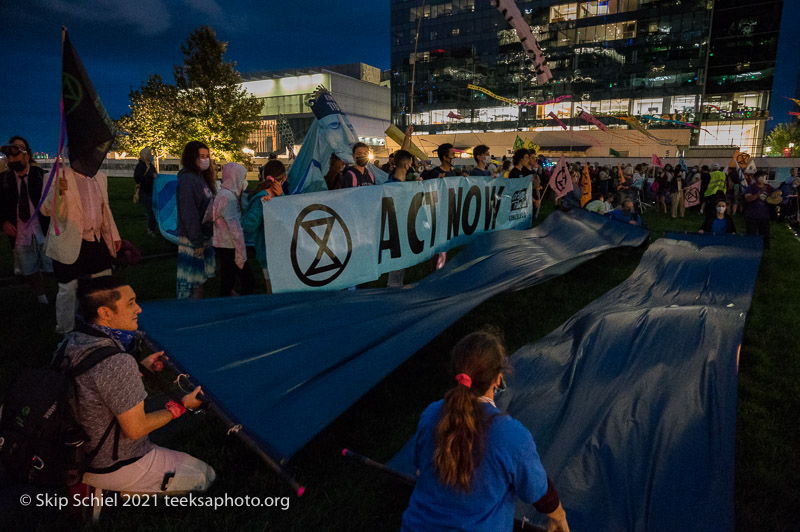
(344, 496)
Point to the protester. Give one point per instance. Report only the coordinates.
(482, 158)
(603, 182)
(402, 166)
(390, 165)
(229, 247)
(716, 189)
(705, 179)
(20, 192)
(334, 176)
(675, 187)
(87, 240)
(596, 205)
(472, 461)
(196, 188)
(401, 173)
(145, 174)
(609, 202)
(756, 215)
(446, 155)
(358, 175)
(110, 396)
(572, 199)
(720, 224)
(253, 218)
(786, 190)
(626, 213)
(519, 162)
(506, 170)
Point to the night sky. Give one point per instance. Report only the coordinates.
(122, 42)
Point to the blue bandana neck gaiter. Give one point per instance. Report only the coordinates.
(123, 337)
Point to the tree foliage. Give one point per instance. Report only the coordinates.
(781, 136)
(206, 103)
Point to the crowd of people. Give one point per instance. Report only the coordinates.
(464, 450)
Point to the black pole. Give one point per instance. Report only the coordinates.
(234, 427)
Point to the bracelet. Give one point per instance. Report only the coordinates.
(175, 409)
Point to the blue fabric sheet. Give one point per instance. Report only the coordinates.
(632, 401)
(286, 365)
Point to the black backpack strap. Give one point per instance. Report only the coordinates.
(94, 358)
(91, 454)
(88, 362)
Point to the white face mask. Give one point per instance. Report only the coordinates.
(762, 179)
(204, 164)
(720, 209)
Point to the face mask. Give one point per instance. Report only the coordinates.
(362, 161)
(17, 166)
(762, 179)
(720, 209)
(502, 387)
(204, 164)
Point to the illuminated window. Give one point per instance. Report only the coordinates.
(563, 12)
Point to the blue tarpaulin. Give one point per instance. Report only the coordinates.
(286, 365)
(632, 401)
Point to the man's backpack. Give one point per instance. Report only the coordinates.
(41, 442)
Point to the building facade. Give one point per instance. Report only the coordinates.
(710, 63)
(286, 116)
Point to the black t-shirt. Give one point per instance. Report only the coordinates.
(516, 172)
(433, 173)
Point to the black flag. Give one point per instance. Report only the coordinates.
(89, 129)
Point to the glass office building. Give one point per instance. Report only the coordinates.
(711, 63)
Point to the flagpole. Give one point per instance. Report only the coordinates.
(414, 66)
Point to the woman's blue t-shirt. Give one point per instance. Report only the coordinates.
(510, 469)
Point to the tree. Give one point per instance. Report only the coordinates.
(781, 136)
(220, 111)
(206, 103)
(155, 117)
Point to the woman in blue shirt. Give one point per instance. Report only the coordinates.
(721, 224)
(473, 462)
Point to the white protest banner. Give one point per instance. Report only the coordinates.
(337, 239)
(560, 180)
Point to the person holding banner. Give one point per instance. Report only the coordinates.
(482, 159)
(358, 175)
(519, 162)
(253, 219)
(229, 247)
(446, 154)
(472, 461)
(626, 214)
(194, 194)
(721, 224)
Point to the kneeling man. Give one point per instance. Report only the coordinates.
(110, 400)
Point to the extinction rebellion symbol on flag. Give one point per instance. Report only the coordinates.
(329, 233)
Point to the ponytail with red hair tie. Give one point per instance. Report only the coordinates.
(463, 378)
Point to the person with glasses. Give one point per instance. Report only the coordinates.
(21, 186)
(473, 461)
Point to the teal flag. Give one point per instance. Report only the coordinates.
(613, 152)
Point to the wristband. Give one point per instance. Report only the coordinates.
(175, 409)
